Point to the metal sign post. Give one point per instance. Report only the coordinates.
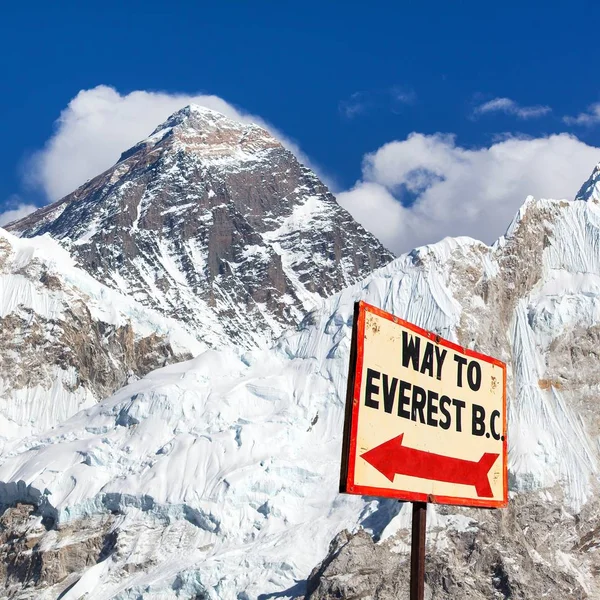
(425, 422)
(417, 551)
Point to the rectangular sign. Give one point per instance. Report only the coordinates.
(425, 418)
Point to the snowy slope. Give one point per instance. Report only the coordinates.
(68, 340)
(217, 477)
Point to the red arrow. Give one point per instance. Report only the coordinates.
(393, 458)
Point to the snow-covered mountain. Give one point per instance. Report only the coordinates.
(217, 477)
(68, 341)
(215, 223)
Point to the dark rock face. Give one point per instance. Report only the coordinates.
(214, 223)
(102, 355)
(492, 557)
(26, 571)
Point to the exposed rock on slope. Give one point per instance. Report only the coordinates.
(67, 341)
(222, 471)
(214, 223)
(530, 551)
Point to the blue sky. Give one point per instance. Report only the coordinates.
(341, 80)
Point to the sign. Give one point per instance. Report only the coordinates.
(425, 418)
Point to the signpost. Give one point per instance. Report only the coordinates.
(425, 422)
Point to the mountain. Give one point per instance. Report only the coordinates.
(217, 477)
(216, 224)
(590, 190)
(68, 341)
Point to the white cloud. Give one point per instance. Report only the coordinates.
(510, 107)
(353, 106)
(20, 211)
(457, 191)
(590, 117)
(405, 96)
(393, 99)
(99, 124)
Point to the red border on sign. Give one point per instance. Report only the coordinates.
(347, 484)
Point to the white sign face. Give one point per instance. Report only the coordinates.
(425, 418)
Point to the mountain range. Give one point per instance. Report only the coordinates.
(177, 336)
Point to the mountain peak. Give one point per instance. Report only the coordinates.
(200, 118)
(213, 222)
(590, 190)
(207, 134)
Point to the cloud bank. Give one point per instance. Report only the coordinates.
(426, 187)
(590, 117)
(100, 123)
(393, 99)
(411, 192)
(510, 107)
(18, 211)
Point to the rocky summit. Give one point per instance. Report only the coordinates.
(215, 223)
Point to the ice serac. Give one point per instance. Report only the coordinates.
(217, 478)
(215, 223)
